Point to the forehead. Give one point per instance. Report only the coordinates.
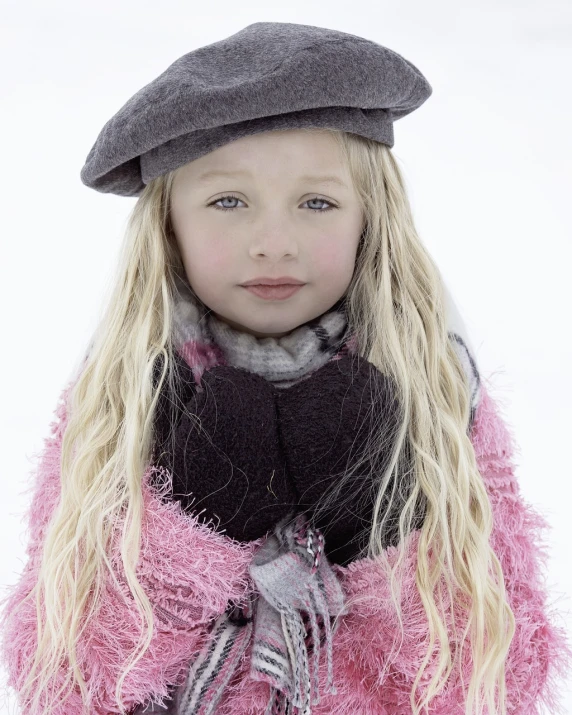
(297, 155)
(211, 175)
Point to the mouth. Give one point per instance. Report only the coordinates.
(276, 292)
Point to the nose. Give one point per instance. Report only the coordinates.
(274, 242)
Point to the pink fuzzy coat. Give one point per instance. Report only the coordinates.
(189, 571)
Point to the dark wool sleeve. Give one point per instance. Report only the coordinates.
(326, 422)
(227, 461)
(256, 452)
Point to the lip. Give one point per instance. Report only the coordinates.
(283, 280)
(275, 292)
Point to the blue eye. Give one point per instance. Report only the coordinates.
(224, 208)
(330, 204)
(232, 208)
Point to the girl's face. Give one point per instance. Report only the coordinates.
(278, 203)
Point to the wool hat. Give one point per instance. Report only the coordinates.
(268, 76)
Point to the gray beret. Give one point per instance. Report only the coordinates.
(270, 75)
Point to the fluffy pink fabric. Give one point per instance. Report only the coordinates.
(189, 572)
(370, 683)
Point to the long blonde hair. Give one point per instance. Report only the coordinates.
(396, 308)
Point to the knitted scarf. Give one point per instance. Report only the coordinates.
(288, 618)
(204, 340)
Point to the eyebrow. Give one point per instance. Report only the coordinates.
(213, 174)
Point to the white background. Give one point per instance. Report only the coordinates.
(487, 160)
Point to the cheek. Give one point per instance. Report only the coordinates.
(334, 256)
(204, 252)
(206, 258)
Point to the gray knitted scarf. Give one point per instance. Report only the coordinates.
(205, 340)
(288, 620)
(289, 617)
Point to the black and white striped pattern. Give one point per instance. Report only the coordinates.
(287, 618)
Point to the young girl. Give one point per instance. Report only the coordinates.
(269, 498)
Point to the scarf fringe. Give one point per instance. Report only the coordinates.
(293, 579)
